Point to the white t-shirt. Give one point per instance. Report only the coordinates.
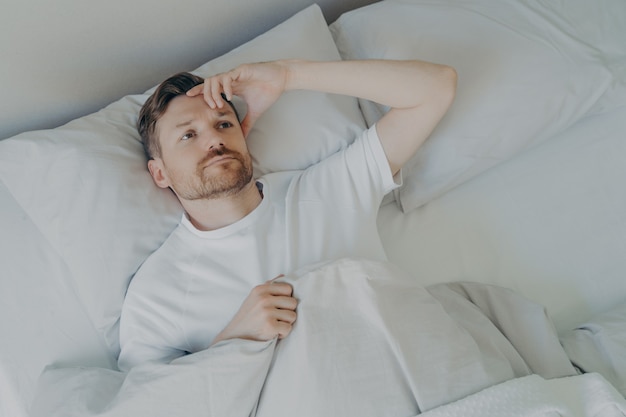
(190, 288)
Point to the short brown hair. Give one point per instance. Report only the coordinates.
(155, 106)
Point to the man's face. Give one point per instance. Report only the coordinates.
(203, 151)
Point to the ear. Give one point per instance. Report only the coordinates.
(155, 166)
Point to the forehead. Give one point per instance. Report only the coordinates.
(184, 109)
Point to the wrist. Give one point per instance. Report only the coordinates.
(293, 72)
(221, 337)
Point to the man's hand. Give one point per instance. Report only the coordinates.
(260, 85)
(267, 312)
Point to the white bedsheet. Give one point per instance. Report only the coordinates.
(369, 341)
(588, 395)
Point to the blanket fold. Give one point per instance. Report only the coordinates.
(523, 324)
(369, 341)
(222, 381)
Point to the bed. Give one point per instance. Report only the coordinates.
(505, 242)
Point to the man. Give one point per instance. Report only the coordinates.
(209, 280)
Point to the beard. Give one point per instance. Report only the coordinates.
(233, 175)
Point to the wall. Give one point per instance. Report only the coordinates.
(67, 58)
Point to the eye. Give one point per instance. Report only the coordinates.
(187, 136)
(224, 125)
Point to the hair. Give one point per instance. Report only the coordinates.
(157, 104)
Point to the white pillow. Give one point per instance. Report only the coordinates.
(521, 80)
(86, 187)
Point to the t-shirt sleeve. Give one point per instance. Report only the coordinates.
(140, 341)
(358, 175)
(138, 348)
(389, 181)
(148, 331)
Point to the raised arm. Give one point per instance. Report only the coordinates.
(419, 93)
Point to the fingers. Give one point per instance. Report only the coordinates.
(284, 303)
(275, 295)
(281, 323)
(279, 288)
(284, 315)
(275, 278)
(216, 89)
(281, 305)
(275, 287)
(195, 90)
(283, 329)
(227, 87)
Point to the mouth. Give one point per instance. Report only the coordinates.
(220, 159)
(216, 160)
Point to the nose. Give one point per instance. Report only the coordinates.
(212, 142)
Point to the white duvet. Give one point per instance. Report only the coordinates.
(588, 395)
(369, 341)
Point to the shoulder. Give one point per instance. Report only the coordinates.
(364, 149)
(162, 265)
(363, 163)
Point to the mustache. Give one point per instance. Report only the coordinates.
(219, 151)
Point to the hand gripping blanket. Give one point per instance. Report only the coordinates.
(369, 341)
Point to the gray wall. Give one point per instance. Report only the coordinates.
(63, 59)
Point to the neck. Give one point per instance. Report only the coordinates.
(214, 214)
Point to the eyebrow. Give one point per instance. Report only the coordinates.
(220, 113)
(183, 124)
